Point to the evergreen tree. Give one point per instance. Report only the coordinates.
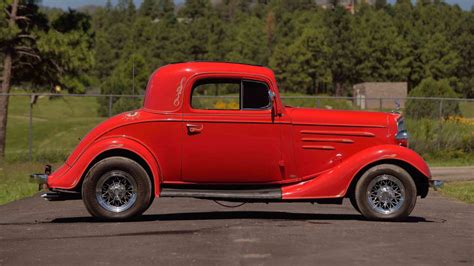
(250, 45)
(309, 65)
(149, 9)
(380, 4)
(463, 43)
(432, 52)
(431, 109)
(40, 52)
(381, 53)
(342, 42)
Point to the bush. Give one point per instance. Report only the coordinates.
(420, 108)
(323, 102)
(435, 138)
(126, 104)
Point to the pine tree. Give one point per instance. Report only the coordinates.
(381, 53)
(309, 65)
(341, 40)
(40, 52)
(463, 43)
(149, 9)
(250, 45)
(432, 51)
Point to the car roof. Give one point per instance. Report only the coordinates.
(165, 88)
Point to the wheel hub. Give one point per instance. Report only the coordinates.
(116, 191)
(385, 194)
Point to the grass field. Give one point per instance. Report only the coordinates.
(57, 126)
(14, 183)
(463, 191)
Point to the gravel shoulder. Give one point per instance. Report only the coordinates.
(448, 174)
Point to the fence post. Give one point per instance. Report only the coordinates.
(441, 109)
(440, 128)
(110, 105)
(380, 104)
(317, 102)
(30, 129)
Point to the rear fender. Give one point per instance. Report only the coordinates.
(68, 177)
(335, 182)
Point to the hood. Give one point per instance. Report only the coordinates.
(338, 117)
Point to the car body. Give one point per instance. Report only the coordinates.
(247, 147)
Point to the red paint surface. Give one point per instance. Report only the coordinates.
(312, 153)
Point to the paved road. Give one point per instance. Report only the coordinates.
(188, 231)
(453, 173)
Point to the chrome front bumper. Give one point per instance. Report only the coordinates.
(436, 184)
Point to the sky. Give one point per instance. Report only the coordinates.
(464, 4)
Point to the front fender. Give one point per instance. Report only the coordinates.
(335, 182)
(68, 176)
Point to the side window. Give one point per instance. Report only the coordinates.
(216, 95)
(229, 94)
(255, 95)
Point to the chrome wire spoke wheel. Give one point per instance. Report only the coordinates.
(385, 194)
(116, 191)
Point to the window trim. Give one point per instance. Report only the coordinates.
(194, 87)
(241, 96)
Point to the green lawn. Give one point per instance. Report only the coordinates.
(463, 160)
(57, 126)
(14, 183)
(467, 109)
(463, 191)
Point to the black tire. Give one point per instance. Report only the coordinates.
(354, 203)
(391, 176)
(108, 169)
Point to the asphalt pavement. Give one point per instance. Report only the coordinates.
(196, 232)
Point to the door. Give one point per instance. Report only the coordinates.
(230, 135)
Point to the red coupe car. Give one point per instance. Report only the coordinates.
(219, 131)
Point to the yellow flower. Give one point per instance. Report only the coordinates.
(220, 105)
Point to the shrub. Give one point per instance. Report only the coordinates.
(449, 138)
(126, 104)
(423, 108)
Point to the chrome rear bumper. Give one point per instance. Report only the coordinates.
(39, 178)
(436, 184)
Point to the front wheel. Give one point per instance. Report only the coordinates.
(385, 192)
(116, 188)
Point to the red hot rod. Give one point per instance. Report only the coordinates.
(219, 131)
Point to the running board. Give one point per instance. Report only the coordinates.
(265, 194)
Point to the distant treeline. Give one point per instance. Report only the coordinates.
(311, 49)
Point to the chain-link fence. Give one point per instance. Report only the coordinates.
(46, 127)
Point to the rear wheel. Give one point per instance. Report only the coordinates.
(385, 192)
(116, 188)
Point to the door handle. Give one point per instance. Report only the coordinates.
(194, 128)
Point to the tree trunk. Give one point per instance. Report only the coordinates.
(6, 82)
(7, 69)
